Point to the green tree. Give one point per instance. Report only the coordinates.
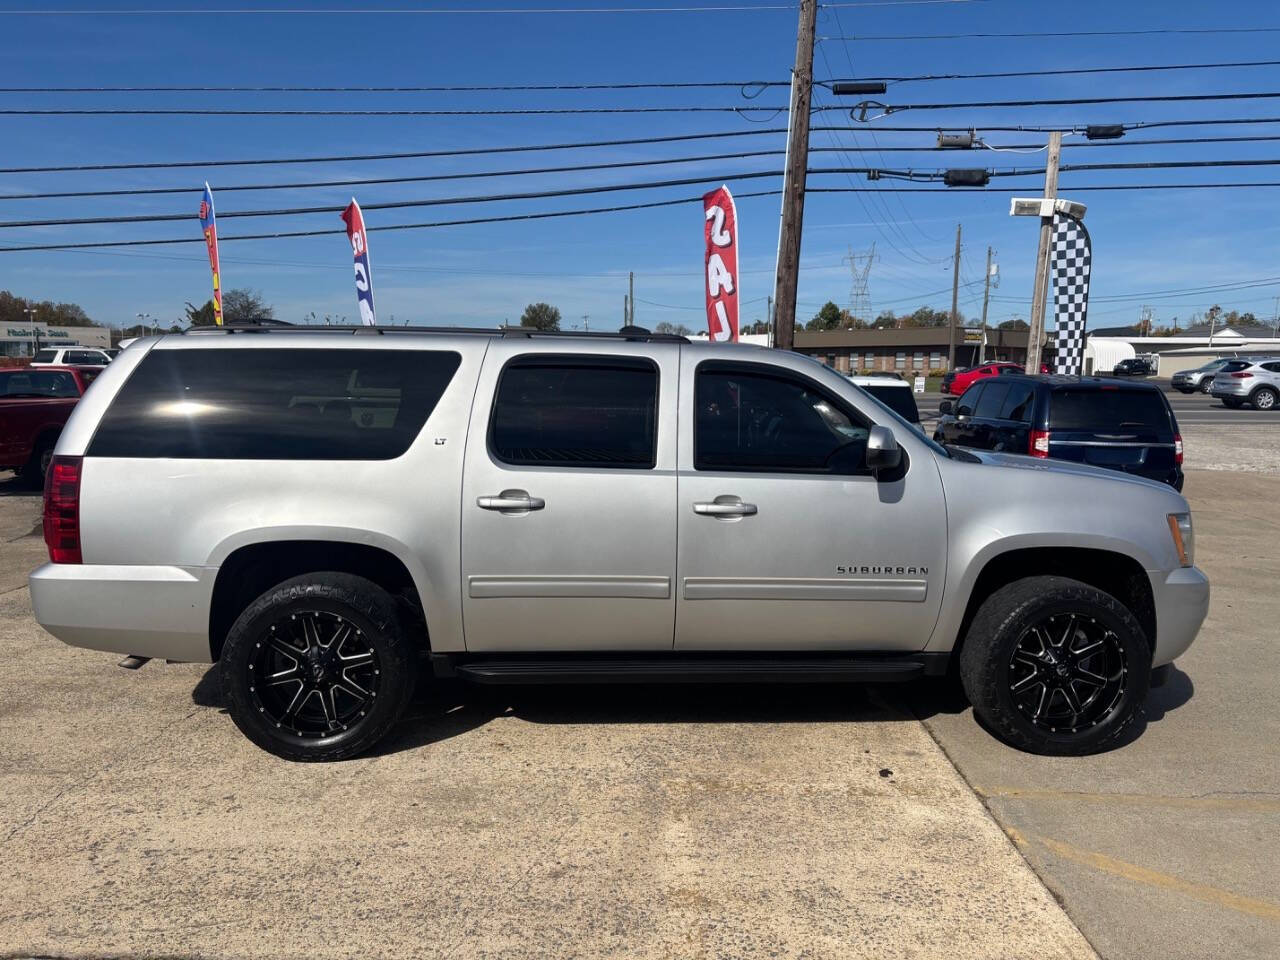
(199, 316)
(887, 319)
(827, 318)
(13, 311)
(241, 305)
(927, 317)
(673, 329)
(1015, 324)
(540, 316)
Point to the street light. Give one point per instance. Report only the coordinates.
(31, 313)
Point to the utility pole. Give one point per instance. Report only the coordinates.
(955, 306)
(1040, 292)
(586, 323)
(986, 297)
(631, 298)
(797, 165)
(626, 311)
(768, 320)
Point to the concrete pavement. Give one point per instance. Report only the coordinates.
(654, 822)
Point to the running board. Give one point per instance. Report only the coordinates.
(678, 670)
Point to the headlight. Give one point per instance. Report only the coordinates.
(1184, 539)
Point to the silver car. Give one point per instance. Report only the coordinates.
(1200, 379)
(322, 512)
(1254, 381)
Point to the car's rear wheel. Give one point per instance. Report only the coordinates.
(318, 667)
(1206, 384)
(1054, 666)
(1264, 398)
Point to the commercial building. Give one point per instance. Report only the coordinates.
(24, 339)
(1185, 351)
(910, 350)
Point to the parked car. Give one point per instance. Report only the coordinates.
(34, 405)
(961, 380)
(1128, 427)
(894, 393)
(1252, 381)
(1200, 379)
(516, 507)
(70, 356)
(1133, 367)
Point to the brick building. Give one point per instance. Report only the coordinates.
(909, 350)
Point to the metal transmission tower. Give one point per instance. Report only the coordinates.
(859, 293)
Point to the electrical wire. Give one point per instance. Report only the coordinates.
(1060, 33)
(462, 11)
(496, 112)
(1072, 101)
(477, 88)
(1071, 71)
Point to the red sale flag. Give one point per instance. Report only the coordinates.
(354, 220)
(721, 224)
(209, 225)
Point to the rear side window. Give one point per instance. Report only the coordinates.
(558, 411)
(84, 356)
(1231, 366)
(1109, 411)
(991, 401)
(1273, 367)
(274, 404)
(964, 407)
(1018, 403)
(45, 356)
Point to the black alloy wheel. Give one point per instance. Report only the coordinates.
(319, 667)
(1055, 666)
(1067, 672)
(315, 674)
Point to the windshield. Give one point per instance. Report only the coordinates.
(897, 399)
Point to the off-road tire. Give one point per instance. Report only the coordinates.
(1005, 618)
(372, 612)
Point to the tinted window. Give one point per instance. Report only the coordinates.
(991, 401)
(1108, 411)
(897, 399)
(1018, 403)
(757, 420)
(1273, 367)
(576, 412)
(38, 383)
(1233, 365)
(83, 356)
(274, 404)
(970, 399)
(45, 356)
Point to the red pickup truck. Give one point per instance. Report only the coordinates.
(34, 405)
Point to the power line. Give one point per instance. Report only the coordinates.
(488, 88)
(465, 11)
(597, 210)
(414, 155)
(1077, 101)
(1060, 33)
(496, 112)
(1067, 72)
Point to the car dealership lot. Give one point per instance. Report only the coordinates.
(655, 821)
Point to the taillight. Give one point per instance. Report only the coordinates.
(62, 509)
(1242, 375)
(1177, 449)
(1038, 446)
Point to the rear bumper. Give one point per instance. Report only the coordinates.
(1182, 602)
(1232, 388)
(160, 612)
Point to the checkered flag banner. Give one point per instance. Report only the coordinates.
(1071, 259)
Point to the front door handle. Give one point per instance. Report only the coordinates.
(725, 507)
(511, 501)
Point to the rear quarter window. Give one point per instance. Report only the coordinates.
(1110, 411)
(274, 404)
(45, 356)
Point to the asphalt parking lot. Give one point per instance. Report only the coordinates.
(816, 822)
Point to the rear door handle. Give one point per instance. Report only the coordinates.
(511, 501)
(724, 507)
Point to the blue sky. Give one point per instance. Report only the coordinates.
(1144, 242)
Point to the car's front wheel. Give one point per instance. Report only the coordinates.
(1055, 666)
(1206, 384)
(318, 667)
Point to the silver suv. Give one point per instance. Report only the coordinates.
(1254, 381)
(1201, 378)
(320, 512)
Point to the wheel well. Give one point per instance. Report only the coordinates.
(250, 571)
(1115, 573)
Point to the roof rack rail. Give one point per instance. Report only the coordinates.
(626, 333)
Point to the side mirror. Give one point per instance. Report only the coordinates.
(946, 406)
(883, 452)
